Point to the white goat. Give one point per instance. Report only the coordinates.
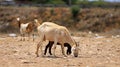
(53, 32)
(25, 28)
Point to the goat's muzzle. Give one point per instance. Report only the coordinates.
(75, 52)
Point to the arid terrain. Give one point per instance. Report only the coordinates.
(95, 51)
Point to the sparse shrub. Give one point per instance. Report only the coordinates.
(99, 3)
(55, 2)
(52, 11)
(75, 10)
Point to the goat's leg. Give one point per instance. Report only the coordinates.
(63, 52)
(28, 38)
(38, 45)
(33, 36)
(41, 49)
(55, 43)
(50, 46)
(46, 48)
(23, 37)
(67, 51)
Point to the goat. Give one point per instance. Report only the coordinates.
(59, 34)
(50, 44)
(25, 28)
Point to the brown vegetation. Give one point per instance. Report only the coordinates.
(93, 19)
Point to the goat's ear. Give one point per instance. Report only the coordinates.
(77, 44)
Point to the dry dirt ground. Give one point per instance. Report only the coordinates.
(94, 52)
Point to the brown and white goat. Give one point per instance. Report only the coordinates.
(25, 28)
(59, 34)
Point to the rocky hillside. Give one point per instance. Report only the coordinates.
(99, 19)
(88, 19)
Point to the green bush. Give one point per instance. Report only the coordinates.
(99, 3)
(75, 10)
(55, 2)
(83, 2)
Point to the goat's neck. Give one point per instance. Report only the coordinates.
(73, 43)
(19, 24)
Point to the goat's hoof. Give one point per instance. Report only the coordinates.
(54, 55)
(50, 53)
(44, 54)
(37, 56)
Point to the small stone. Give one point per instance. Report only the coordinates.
(48, 59)
(12, 35)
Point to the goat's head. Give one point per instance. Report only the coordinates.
(18, 19)
(76, 49)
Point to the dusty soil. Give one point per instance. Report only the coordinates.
(94, 52)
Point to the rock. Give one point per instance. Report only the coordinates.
(96, 35)
(117, 36)
(12, 35)
(87, 66)
(90, 32)
(48, 59)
